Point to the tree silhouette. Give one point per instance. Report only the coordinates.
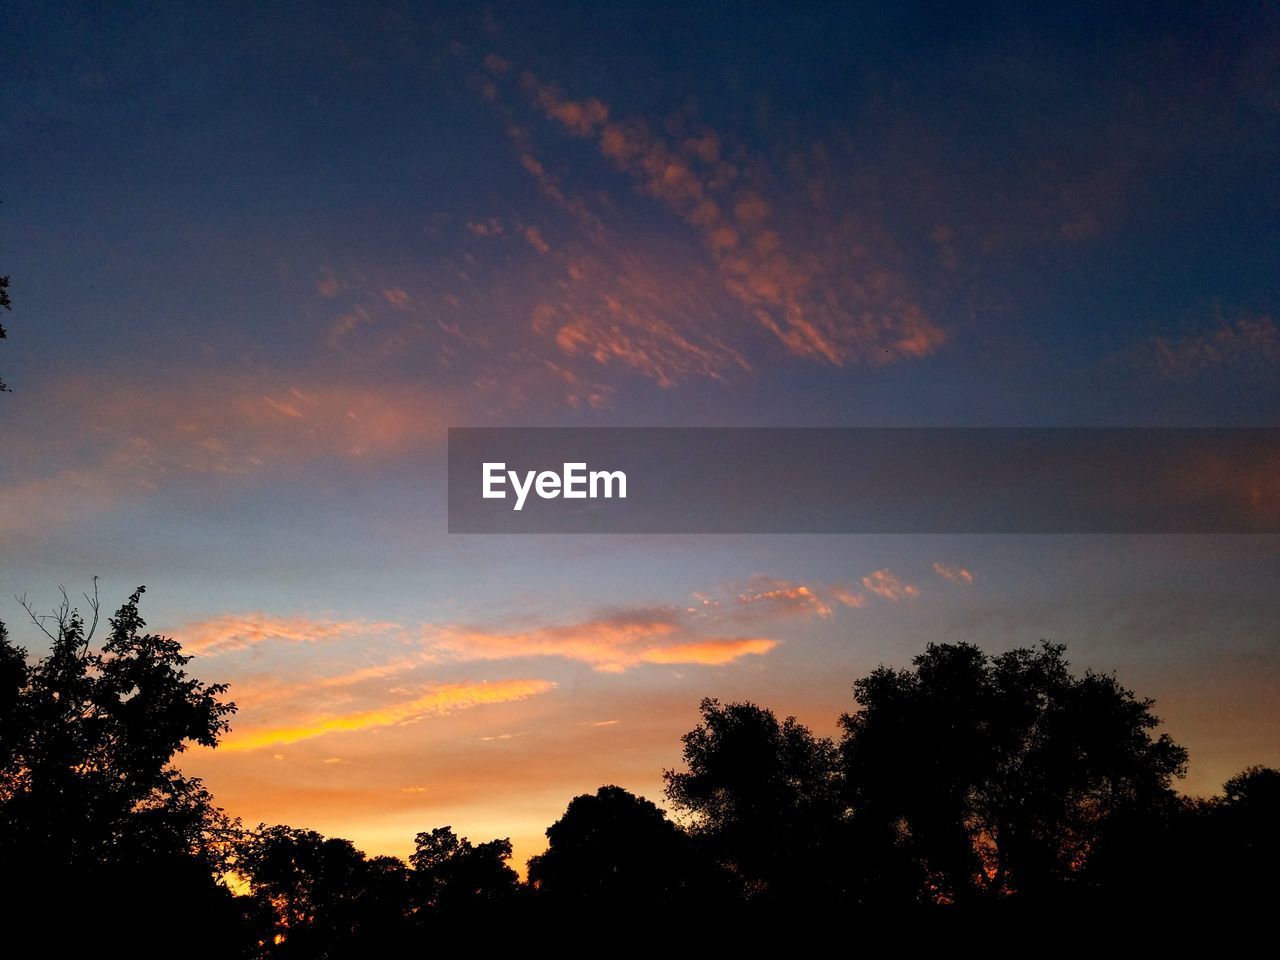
(969, 781)
(1217, 855)
(88, 793)
(764, 796)
(615, 849)
(323, 897)
(1004, 774)
(6, 304)
(1248, 831)
(452, 874)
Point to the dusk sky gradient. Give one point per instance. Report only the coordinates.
(262, 257)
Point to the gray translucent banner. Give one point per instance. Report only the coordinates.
(864, 480)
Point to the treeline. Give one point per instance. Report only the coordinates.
(967, 785)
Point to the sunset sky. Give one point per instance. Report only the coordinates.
(260, 262)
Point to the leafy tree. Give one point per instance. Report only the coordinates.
(615, 848)
(764, 797)
(452, 874)
(88, 791)
(1003, 774)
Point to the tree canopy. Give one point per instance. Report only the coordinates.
(450, 872)
(967, 781)
(615, 848)
(89, 735)
(88, 790)
(763, 795)
(1002, 774)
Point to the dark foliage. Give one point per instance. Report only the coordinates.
(89, 797)
(1006, 775)
(6, 304)
(320, 896)
(613, 850)
(764, 796)
(966, 789)
(450, 874)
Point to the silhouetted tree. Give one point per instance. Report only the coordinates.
(1218, 856)
(764, 797)
(6, 304)
(613, 848)
(324, 898)
(451, 874)
(1249, 834)
(1003, 774)
(89, 797)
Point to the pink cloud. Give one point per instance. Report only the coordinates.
(887, 584)
(833, 300)
(955, 574)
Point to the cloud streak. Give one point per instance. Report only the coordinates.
(954, 573)
(231, 633)
(433, 701)
(611, 643)
(132, 438)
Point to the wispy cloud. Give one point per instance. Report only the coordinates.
(953, 572)
(826, 293)
(762, 598)
(1247, 340)
(131, 438)
(888, 585)
(610, 643)
(230, 633)
(432, 701)
(229, 423)
(775, 595)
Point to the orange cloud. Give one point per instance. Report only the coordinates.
(825, 293)
(780, 595)
(847, 597)
(709, 652)
(764, 598)
(886, 584)
(231, 633)
(437, 700)
(610, 644)
(953, 573)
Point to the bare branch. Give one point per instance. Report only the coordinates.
(94, 605)
(37, 618)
